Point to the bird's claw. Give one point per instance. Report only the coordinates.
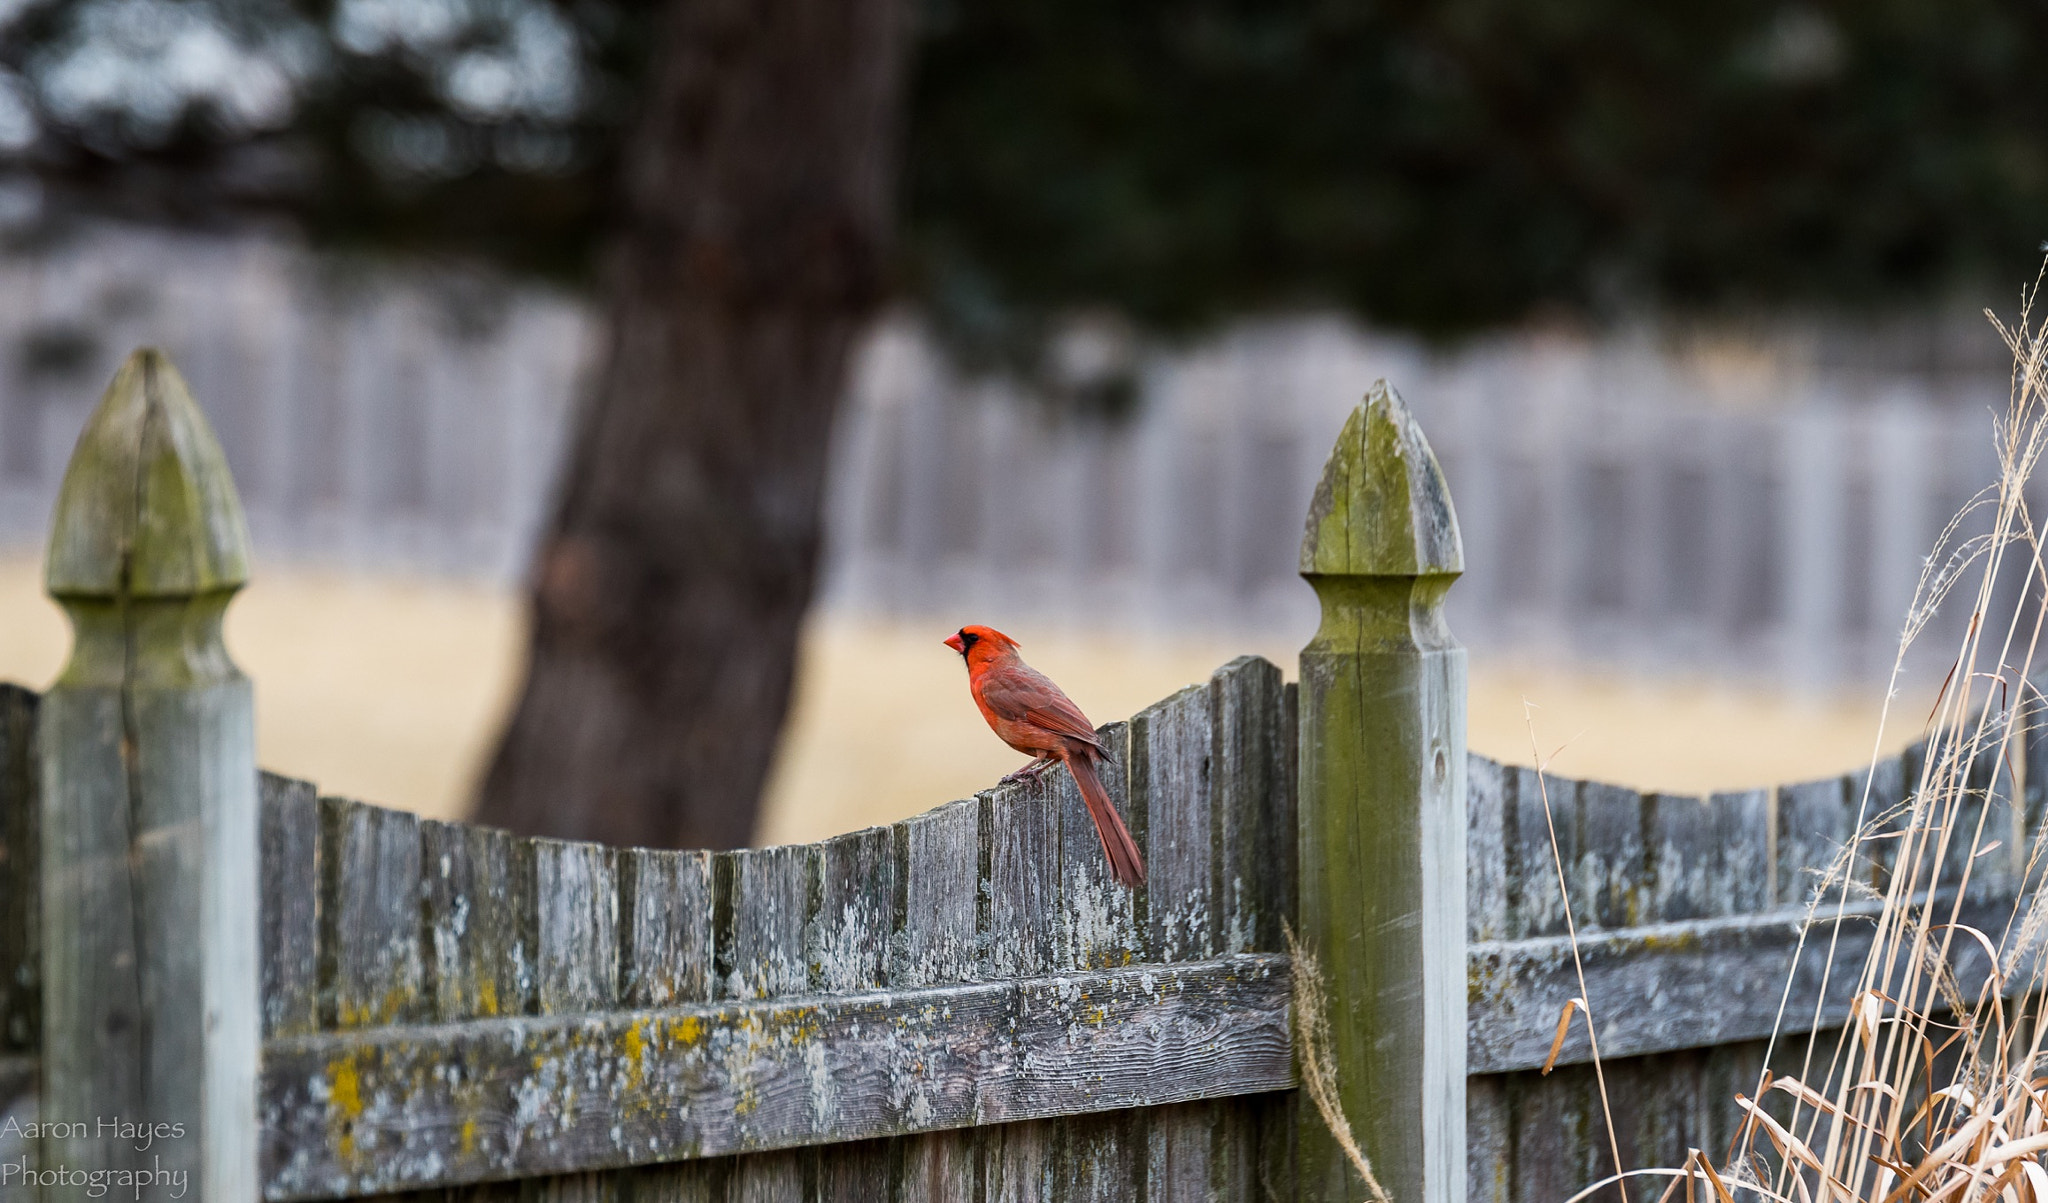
(1030, 772)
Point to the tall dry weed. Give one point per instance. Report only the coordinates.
(1936, 1089)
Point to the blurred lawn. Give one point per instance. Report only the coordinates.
(390, 691)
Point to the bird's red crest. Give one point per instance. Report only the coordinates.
(979, 643)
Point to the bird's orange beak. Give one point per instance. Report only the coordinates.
(953, 641)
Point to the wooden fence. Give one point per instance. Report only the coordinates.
(317, 998)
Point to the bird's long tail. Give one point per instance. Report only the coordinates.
(1124, 861)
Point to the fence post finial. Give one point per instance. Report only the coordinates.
(1382, 812)
(149, 855)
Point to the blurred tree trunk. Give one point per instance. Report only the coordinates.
(668, 592)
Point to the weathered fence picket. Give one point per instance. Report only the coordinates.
(961, 1006)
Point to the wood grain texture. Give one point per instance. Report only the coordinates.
(372, 967)
(1096, 921)
(150, 826)
(362, 1112)
(1679, 985)
(1707, 857)
(1172, 750)
(941, 866)
(938, 1167)
(576, 929)
(481, 942)
(21, 970)
(1018, 1163)
(667, 927)
(1252, 777)
(854, 919)
(850, 932)
(939, 855)
(1814, 821)
(762, 908)
(854, 1173)
(1102, 1158)
(1608, 886)
(1382, 822)
(291, 906)
(1541, 831)
(1023, 833)
(1181, 1143)
(1489, 793)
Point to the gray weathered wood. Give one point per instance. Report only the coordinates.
(1488, 793)
(364, 1111)
(1489, 1154)
(1252, 776)
(1096, 923)
(1023, 834)
(1172, 751)
(479, 894)
(849, 938)
(666, 925)
(1102, 1158)
(1018, 1163)
(1608, 879)
(847, 945)
(939, 880)
(149, 825)
(1382, 810)
(1678, 985)
(859, 1172)
(370, 917)
(939, 858)
(1180, 1153)
(1814, 820)
(1535, 901)
(576, 929)
(681, 1182)
(769, 1178)
(762, 906)
(21, 970)
(938, 1167)
(291, 906)
(1708, 857)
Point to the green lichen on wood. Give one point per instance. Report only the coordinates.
(1381, 811)
(1381, 507)
(147, 507)
(150, 846)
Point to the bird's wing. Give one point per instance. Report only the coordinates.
(1022, 693)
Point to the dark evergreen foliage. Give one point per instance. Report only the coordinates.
(1435, 165)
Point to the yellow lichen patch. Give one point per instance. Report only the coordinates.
(345, 1087)
(344, 1103)
(633, 1050)
(1096, 1015)
(1677, 940)
(687, 1031)
(468, 1137)
(487, 997)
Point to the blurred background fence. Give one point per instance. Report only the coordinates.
(1756, 507)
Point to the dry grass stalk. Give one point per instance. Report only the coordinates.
(1318, 1065)
(1936, 1090)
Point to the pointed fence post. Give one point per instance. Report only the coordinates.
(149, 824)
(1382, 811)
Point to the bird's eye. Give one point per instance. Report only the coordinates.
(968, 641)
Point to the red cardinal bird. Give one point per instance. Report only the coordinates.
(1029, 713)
